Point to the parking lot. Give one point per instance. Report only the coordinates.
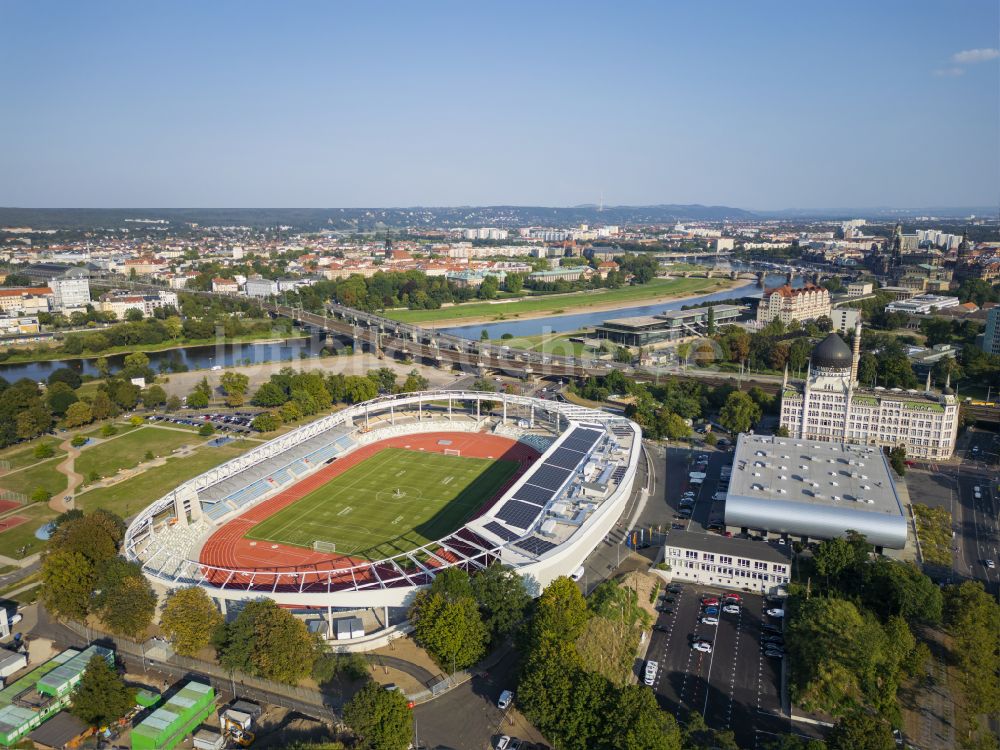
(235, 422)
(735, 686)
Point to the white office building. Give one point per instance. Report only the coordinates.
(832, 406)
(922, 304)
(742, 564)
(71, 289)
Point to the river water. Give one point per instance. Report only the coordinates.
(193, 357)
(228, 355)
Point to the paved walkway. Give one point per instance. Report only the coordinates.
(63, 501)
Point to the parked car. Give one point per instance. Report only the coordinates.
(775, 654)
(709, 620)
(674, 589)
(650, 675)
(711, 610)
(731, 609)
(503, 743)
(709, 600)
(705, 648)
(989, 564)
(733, 597)
(776, 612)
(505, 699)
(661, 628)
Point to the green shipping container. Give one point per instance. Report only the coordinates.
(168, 725)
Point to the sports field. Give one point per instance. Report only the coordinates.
(393, 502)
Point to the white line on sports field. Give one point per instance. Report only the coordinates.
(347, 509)
(396, 520)
(447, 480)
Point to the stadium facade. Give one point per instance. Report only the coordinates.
(543, 525)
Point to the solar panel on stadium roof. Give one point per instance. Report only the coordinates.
(529, 493)
(501, 531)
(549, 477)
(518, 514)
(534, 545)
(564, 458)
(579, 444)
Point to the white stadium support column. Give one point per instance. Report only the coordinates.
(179, 511)
(505, 409)
(531, 421)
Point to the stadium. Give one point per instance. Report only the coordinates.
(342, 520)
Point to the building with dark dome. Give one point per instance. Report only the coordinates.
(831, 353)
(832, 406)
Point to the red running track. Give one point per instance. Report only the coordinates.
(228, 547)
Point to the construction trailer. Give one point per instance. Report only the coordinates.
(44, 691)
(167, 726)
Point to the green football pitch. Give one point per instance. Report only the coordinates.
(393, 502)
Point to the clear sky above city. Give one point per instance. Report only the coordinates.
(763, 105)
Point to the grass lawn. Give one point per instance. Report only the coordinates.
(573, 302)
(394, 502)
(129, 497)
(23, 536)
(24, 455)
(558, 344)
(42, 474)
(130, 449)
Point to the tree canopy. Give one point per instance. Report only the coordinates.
(189, 619)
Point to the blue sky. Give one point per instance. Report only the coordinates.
(763, 105)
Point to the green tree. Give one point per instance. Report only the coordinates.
(267, 641)
(154, 396)
(207, 429)
(636, 722)
(381, 718)
(560, 612)
(122, 597)
(269, 395)
(44, 450)
(60, 397)
(173, 403)
(234, 386)
(414, 382)
(66, 375)
(101, 697)
(739, 413)
(197, 399)
(833, 557)
(189, 619)
(451, 629)
(897, 459)
(384, 379)
(136, 365)
(67, 580)
(502, 598)
(860, 730)
(266, 422)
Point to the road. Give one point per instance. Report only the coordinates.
(955, 486)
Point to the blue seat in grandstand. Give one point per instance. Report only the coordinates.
(249, 493)
(281, 476)
(298, 468)
(215, 511)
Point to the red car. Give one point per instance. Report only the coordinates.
(911, 464)
(710, 602)
(733, 598)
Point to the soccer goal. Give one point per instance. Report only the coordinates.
(319, 546)
(452, 452)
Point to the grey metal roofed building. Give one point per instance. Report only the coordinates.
(642, 330)
(814, 489)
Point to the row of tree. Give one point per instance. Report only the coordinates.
(292, 395)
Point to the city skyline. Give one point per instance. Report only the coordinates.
(319, 106)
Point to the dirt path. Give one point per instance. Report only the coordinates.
(73, 479)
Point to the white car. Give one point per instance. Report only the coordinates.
(731, 609)
(977, 493)
(989, 564)
(709, 620)
(776, 612)
(705, 648)
(650, 675)
(503, 742)
(505, 698)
